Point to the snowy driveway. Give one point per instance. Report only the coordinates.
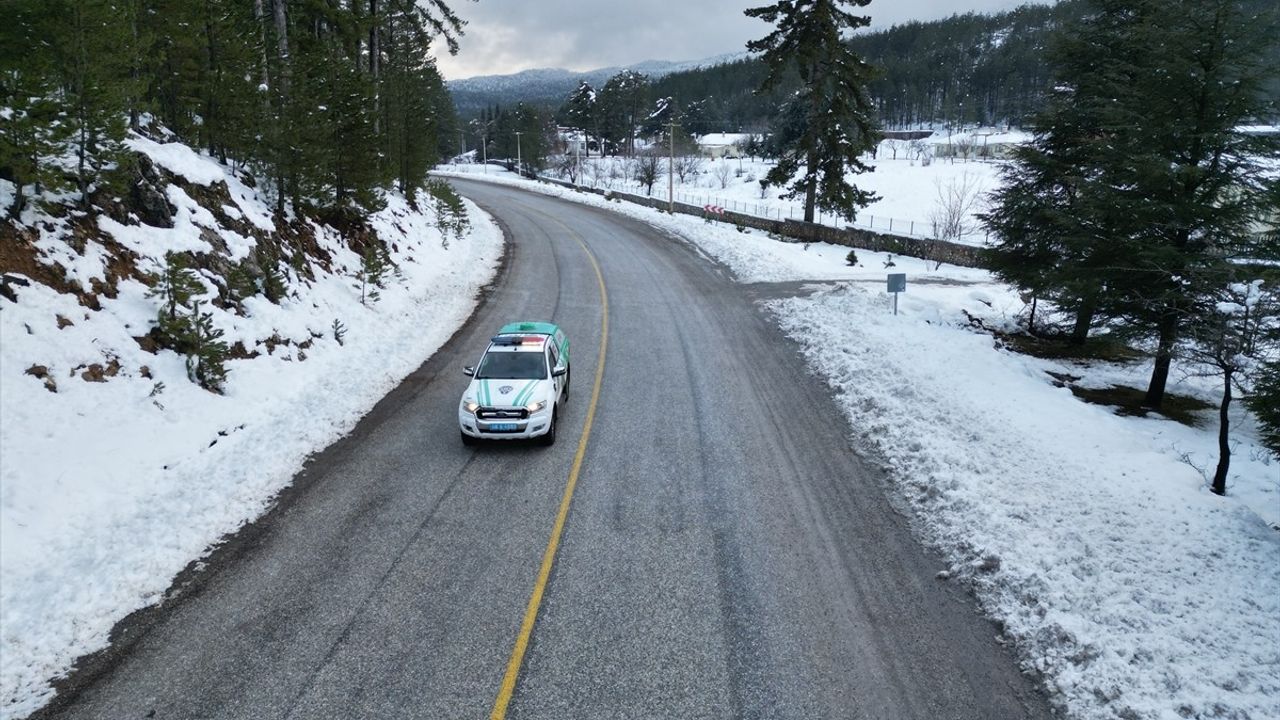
(726, 554)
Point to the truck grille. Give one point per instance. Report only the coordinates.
(492, 413)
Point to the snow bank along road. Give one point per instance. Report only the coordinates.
(725, 554)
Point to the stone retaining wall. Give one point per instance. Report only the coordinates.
(948, 253)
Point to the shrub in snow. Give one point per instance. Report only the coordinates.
(1265, 403)
(373, 270)
(241, 284)
(722, 172)
(205, 361)
(274, 284)
(339, 331)
(851, 259)
(451, 214)
(175, 285)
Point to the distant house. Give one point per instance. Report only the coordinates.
(978, 143)
(718, 145)
(574, 142)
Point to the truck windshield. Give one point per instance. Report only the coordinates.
(513, 366)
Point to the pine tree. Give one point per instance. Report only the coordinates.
(828, 122)
(207, 355)
(174, 285)
(1195, 183)
(274, 283)
(31, 129)
(1140, 191)
(373, 269)
(582, 112)
(1057, 227)
(1264, 401)
(451, 212)
(417, 112)
(621, 102)
(91, 47)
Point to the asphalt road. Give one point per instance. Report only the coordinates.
(725, 556)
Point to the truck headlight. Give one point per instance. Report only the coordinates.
(535, 406)
(471, 407)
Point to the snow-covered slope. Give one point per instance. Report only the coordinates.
(117, 471)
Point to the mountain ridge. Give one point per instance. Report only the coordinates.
(551, 85)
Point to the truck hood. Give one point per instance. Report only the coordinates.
(508, 393)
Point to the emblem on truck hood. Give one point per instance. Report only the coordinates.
(505, 389)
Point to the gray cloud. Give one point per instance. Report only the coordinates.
(504, 36)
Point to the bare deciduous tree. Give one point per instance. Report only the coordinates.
(594, 172)
(617, 171)
(688, 166)
(645, 170)
(568, 168)
(920, 150)
(952, 215)
(895, 146)
(722, 171)
(1229, 341)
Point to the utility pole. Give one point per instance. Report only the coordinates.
(519, 159)
(462, 143)
(484, 149)
(671, 166)
(577, 160)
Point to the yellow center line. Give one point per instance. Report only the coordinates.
(549, 555)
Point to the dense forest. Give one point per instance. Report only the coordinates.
(965, 69)
(323, 102)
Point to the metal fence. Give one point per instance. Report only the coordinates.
(906, 227)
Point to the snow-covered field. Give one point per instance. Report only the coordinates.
(908, 190)
(109, 489)
(1119, 578)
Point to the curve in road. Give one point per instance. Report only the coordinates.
(725, 555)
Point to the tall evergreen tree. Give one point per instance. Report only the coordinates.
(582, 112)
(327, 101)
(1196, 183)
(32, 127)
(1141, 190)
(1058, 229)
(830, 118)
(91, 47)
(622, 103)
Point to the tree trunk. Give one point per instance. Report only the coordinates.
(80, 69)
(134, 115)
(1224, 449)
(282, 41)
(1168, 334)
(14, 211)
(374, 48)
(811, 189)
(210, 127)
(1084, 319)
(260, 15)
(1031, 322)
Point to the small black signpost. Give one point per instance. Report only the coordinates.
(897, 284)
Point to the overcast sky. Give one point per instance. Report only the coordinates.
(505, 36)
